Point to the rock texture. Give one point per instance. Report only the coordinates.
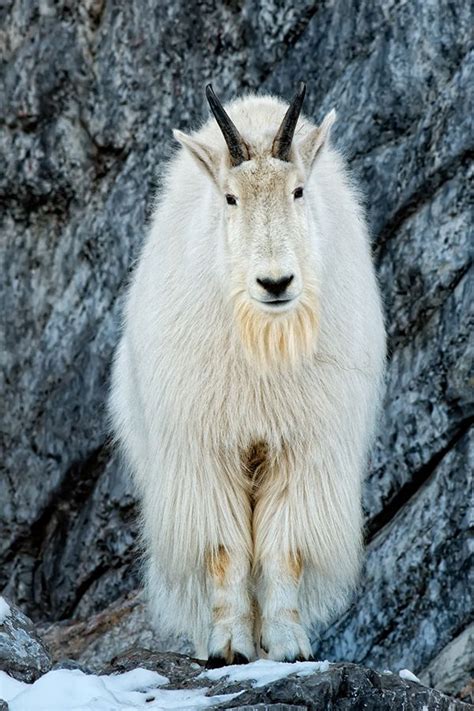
(262, 685)
(22, 653)
(345, 686)
(340, 686)
(90, 93)
(453, 668)
(95, 642)
(287, 686)
(415, 589)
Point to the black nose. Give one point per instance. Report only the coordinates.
(276, 286)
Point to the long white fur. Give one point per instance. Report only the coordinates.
(202, 372)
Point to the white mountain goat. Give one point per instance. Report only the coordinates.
(247, 381)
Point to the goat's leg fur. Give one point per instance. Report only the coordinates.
(282, 636)
(232, 619)
(278, 567)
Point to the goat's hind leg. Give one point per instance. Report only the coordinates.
(232, 620)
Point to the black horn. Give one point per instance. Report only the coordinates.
(237, 148)
(282, 141)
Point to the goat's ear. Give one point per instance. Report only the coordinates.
(205, 156)
(311, 144)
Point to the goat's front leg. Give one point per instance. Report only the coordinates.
(278, 568)
(282, 635)
(232, 622)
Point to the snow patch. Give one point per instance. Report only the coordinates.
(264, 671)
(72, 690)
(9, 688)
(5, 610)
(408, 676)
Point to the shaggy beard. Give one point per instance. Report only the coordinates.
(277, 339)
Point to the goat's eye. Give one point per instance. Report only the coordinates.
(231, 199)
(298, 193)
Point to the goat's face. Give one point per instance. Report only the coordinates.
(267, 249)
(266, 232)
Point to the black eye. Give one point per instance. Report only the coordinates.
(298, 193)
(231, 199)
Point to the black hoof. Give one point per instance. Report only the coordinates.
(239, 658)
(299, 658)
(215, 661)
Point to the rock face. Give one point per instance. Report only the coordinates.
(22, 653)
(453, 668)
(91, 92)
(108, 635)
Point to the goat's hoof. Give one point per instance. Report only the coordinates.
(239, 658)
(216, 661)
(298, 658)
(231, 642)
(286, 640)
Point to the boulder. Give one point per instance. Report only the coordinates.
(22, 653)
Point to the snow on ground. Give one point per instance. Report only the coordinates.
(264, 671)
(4, 610)
(408, 675)
(72, 690)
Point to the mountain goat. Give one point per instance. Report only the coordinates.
(247, 380)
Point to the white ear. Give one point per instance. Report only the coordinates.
(205, 156)
(310, 145)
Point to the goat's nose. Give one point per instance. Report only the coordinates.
(276, 286)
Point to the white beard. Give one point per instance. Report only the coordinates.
(277, 339)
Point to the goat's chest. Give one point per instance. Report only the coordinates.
(245, 407)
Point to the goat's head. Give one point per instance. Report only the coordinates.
(266, 223)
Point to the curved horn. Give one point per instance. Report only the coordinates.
(282, 141)
(235, 143)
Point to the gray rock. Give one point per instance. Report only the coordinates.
(22, 653)
(109, 635)
(269, 707)
(71, 664)
(426, 406)
(91, 91)
(415, 592)
(452, 670)
(341, 686)
(347, 686)
(180, 669)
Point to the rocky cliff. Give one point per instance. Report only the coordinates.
(91, 91)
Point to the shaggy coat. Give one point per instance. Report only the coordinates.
(247, 428)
